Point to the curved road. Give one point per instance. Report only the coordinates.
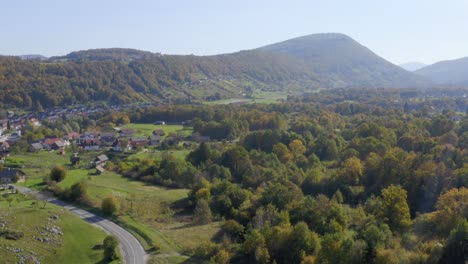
(130, 248)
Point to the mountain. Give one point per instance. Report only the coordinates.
(412, 66)
(343, 62)
(117, 54)
(451, 72)
(125, 75)
(32, 57)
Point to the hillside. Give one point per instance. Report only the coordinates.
(72, 79)
(452, 72)
(343, 62)
(125, 75)
(412, 66)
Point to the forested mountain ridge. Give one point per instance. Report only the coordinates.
(126, 75)
(451, 72)
(343, 62)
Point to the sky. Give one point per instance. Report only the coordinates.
(399, 30)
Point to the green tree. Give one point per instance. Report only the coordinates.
(237, 159)
(78, 191)
(297, 148)
(451, 209)
(456, 247)
(353, 170)
(394, 209)
(58, 173)
(202, 214)
(110, 245)
(109, 205)
(199, 155)
(302, 242)
(282, 152)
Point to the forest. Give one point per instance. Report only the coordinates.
(103, 76)
(359, 176)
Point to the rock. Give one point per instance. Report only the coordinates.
(55, 217)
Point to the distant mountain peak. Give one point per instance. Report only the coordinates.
(344, 61)
(412, 66)
(32, 57)
(116, 54)
(449, 72)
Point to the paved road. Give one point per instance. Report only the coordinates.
(131, 249)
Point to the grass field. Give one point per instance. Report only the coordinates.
(259, 97)
(179, 154)
(74, 246)
(151, 225)
(145, 130)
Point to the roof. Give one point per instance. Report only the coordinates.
(116, 143)
(100, 169)
(59, 143)
(140, 139)
(9, 173)
(108, 135)
(159, 132)
(37, 146)
(102, 157)
(155, 137)
(51, 141)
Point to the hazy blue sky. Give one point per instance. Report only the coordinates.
(398, 30)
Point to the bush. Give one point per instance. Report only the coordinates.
(202, 214)
(11, 234)
(58, 174)
(110, 244)
(205, 250)
(109, 205)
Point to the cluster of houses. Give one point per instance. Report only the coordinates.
(119, 140)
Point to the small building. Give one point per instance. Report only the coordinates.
(4, 124)
(89, 143)
(127, 132)
(159, 132)
(4, 149)
(155, 140)
(159, 123)
(99, 170)
(50, 143)
(107, 139)
(101, 160)
(75, 159)
(59, 144)
(35, 147)
(116, 146)
(138, 142)
(11, 175)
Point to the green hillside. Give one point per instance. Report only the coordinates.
(123, 75)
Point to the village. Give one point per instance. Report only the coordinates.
(128, 139)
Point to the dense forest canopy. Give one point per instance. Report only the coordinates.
(357, 176)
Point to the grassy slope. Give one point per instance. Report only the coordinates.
(145, 130)
(76, 245)
(258, 97)
(173, 235)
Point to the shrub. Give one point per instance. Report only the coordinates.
(109, 205)
(110, 244)
(58, 173)
(12, 234)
